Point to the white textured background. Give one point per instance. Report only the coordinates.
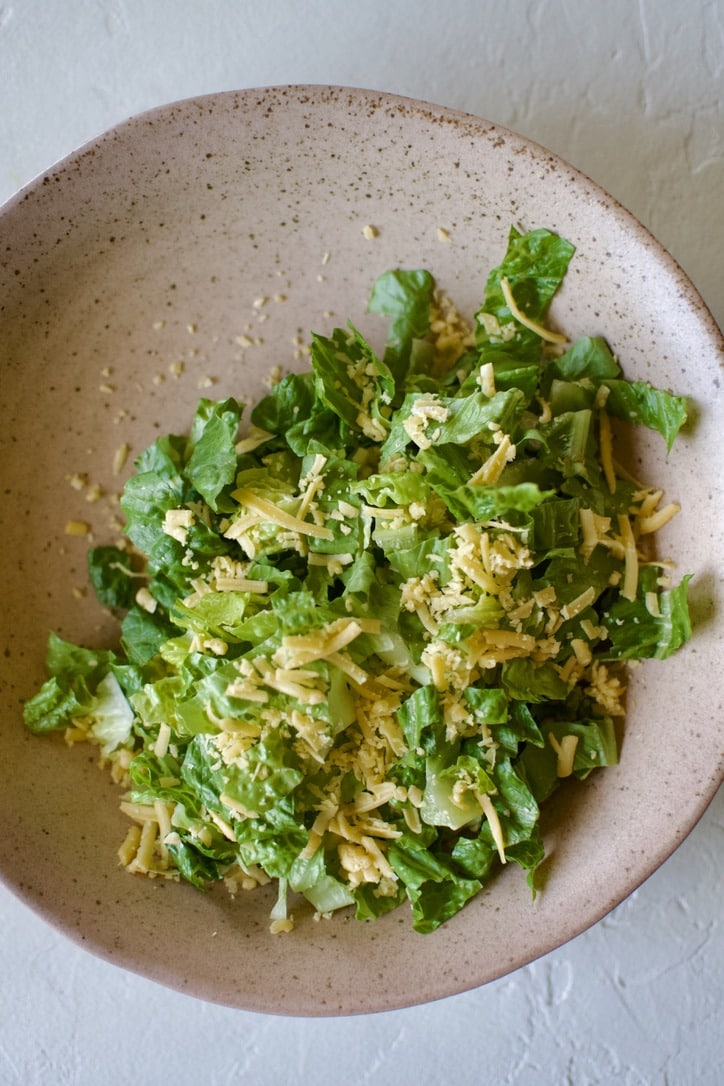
(630, 92)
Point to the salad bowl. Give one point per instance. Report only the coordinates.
(190, 252)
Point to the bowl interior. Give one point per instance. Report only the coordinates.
(184, 254)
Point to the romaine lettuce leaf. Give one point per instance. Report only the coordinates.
(112, 577)
(405, 297)
(637, 630)
(212, 464)
(534, 265)
(640, 402)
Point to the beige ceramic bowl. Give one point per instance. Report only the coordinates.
(128, 273)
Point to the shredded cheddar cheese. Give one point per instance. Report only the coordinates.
(533, 326)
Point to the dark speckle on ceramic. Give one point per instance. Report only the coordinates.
(128, 280)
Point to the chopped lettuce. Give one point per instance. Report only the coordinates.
(360, 648)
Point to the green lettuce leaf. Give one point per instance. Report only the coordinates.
(213, 462)
(112, 577)
(534, 265)
(640, 402)
(405, 296)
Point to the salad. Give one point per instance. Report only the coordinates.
(361, 644)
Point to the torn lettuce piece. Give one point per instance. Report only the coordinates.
(534, 266)
(405, 297)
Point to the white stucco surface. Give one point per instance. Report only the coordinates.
(630, 92)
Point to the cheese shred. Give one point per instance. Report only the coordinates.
(527, 322)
